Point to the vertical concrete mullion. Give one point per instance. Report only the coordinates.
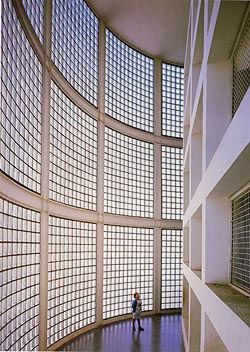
(100, 174)
(43, 283)
(43, 286)
(157, 185)
(157, 96)
(157, 270)
(203, 330)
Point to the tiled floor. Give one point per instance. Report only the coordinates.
(162, 333)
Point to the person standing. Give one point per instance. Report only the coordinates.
(137, 309)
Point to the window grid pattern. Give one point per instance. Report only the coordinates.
(21, 90)
(73, 153)
(128, 175)
(75, 46)
(128, 267)
(241, 67)
(171, 275)
(35, 12)
(240, 271)
(172, 183)
(172, 100)
(71, 277)
(129, 84)
(19, 277)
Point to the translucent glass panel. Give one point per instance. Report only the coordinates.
(129, 84)
(171, 274)
(127, 268)
(21, 90)
(172, 100)
(172, 192)
(73, 153)
(241, 67)
(72, 277)
(240, 269)
(128, 175)
(35, 12)
(19, 277)
(75, 45)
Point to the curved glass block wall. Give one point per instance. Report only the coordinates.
(121, 276)
(82, 194)
(171, 183)
(19, 258)
(171, 269)
(172, 100)
(75, 45)
(35, 12)
(73, 153)
(128, 175)
(21, 78)
(129, 84)
(72, 276)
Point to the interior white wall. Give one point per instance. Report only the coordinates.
(216, 241)
(211, 337)
(233, 331)
(195, 243)
(216, 165)
(218, 110)
(194, 323)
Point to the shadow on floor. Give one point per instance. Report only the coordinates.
(162, 333)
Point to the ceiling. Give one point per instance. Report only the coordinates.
(156, 27)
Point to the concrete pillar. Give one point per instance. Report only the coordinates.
(185, 311)
(45, 162)
(210, 340)
(186, 181)
(215, 230)
(194, 323)
(157, 270)
(100, 173)
(196, 148)
(196, 161)
(195, 243)
(217, 109)
(157, 96)
(186, 235)
(157, 184)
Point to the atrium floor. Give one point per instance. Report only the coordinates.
(162, 333)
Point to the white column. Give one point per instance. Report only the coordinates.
(157, 186)
(157, 270)
(43, 285)
(215, 230)
(196, 148)
(185, 311)
(210, 340)
(195, 244)
(100, 174)
(217, 109)
(186, 180)
(194, 322)
(157, 96)
(186, 235)
(43, 288)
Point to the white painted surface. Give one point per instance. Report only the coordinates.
(216, 165)
(157, 27)
(233, 332)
